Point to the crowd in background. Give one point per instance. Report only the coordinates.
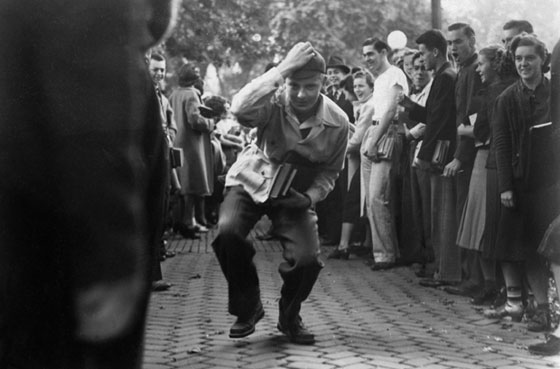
(437, 176)
(451, 168)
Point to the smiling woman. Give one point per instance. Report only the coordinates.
(530, 59)
(526, 209)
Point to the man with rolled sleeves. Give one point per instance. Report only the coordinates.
(299, 121)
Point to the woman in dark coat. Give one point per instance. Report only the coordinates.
(550, 245)
(526, 211)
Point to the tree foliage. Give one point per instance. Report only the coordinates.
(340, 27)
(221, 31)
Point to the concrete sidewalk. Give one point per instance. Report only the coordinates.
(362, 319)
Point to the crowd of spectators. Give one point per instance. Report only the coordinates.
(442, 158)
(437, 165)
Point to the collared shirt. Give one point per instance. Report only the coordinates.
(420, 98)
(439, 113)
(466, 88)
(258, 105)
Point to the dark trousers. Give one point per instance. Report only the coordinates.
(330, 210)
(415, 211)
(444, 227)
(422, 213)
(162, 170)
(297, 231)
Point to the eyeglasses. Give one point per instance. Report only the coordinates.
(420, 67)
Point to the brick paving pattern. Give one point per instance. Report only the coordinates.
(361, 319)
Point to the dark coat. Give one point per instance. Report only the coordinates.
(80, 147)
(517, 108)
(439, 113)
(466, 90)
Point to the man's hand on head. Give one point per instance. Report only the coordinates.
(297, 57)
(294, 200)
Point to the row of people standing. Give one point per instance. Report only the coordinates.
(464, 174)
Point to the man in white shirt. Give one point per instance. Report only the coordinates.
(380, 151)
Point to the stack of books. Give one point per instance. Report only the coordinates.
(385, 146)
(439, 159)
(282, 180)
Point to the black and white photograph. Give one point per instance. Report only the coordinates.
(280, 184)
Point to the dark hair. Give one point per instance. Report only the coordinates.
(365, 75)
(347, 84)
(216, 103)
(377, 44)
(520, 24)
(540, 48)
(466, 28)
(188, 76)
(157, 56)
(417, 55)
(500, 60)
(433, 39)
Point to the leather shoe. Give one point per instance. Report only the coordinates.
(160, 285)
(485, 297)
(459, 291)
(540, 321)
(548, 348)
(245, 326)
(434, 283)
(186, 231)
(339, 254)
(507, 309)
(382, 265)
(296, 332)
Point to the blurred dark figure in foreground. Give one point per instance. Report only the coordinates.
(78, 148)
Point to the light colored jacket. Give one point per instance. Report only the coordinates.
(258, 105)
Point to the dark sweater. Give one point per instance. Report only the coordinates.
(517, 109)
(485, 117)
(466, 89)
(439, 113)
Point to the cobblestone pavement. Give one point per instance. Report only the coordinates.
(362, 319)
